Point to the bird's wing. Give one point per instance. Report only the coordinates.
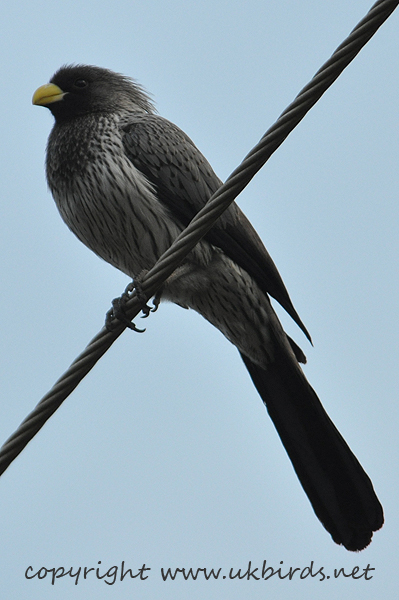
(184, 182)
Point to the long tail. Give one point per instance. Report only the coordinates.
(339, 490)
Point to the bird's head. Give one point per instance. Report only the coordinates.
(76, 90)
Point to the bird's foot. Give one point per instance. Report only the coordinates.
(118, 309)
(135, 285)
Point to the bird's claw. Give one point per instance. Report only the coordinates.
(156, 301)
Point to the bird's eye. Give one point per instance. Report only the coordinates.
(80, 83)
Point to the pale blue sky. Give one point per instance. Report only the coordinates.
(165, 455)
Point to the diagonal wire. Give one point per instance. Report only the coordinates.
(199, 226)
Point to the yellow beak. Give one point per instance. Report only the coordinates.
(47, 94)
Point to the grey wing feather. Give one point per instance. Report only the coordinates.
(184, 181)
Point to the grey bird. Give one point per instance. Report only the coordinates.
(126, 182)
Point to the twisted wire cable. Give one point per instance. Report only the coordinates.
(199, 226)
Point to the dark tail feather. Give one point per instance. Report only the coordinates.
(339, 490)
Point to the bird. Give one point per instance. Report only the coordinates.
(127, 181)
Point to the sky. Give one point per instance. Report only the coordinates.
(164, 456)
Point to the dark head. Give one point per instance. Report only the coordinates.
(76, 90)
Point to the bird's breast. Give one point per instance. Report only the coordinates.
(106, 201)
